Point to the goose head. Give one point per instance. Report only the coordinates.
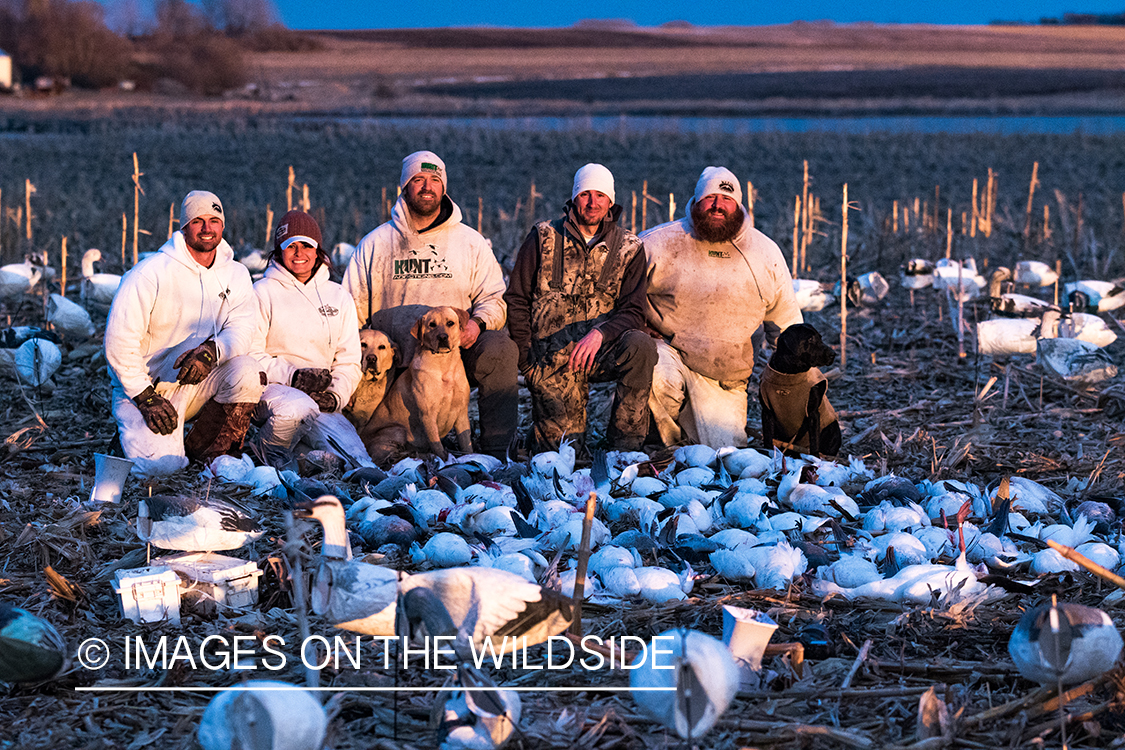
(328, 511)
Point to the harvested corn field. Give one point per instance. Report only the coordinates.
(915, 400)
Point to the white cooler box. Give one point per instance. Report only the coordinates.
(149, 594)
(210, 580)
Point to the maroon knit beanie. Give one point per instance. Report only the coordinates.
(296, 225)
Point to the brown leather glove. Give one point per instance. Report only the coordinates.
(196, 364)
(159, 414)
(326, 400)
(311, 380)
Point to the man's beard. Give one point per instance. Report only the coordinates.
(708, 231)
(423, 210)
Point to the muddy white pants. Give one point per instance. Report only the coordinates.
(235, 381)
(691, 408)
(291, 415)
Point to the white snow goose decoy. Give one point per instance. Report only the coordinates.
(18, 278)
(483, 602)
(917, 273)
(1034, 273)
(193, 524)
(97, 288)
(812, 296)
(1095, 296)
(1064, 643)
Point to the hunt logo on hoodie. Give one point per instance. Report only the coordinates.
(423, 263)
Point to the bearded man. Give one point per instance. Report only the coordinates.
(425, 257)
(713, 280)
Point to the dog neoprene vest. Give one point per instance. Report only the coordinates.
(788, 397)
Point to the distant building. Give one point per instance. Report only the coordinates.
(5, 70)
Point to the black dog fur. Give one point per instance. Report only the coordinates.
(799, 349)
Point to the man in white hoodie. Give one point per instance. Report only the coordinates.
(713, 280)
(177, 342)
(425, 257)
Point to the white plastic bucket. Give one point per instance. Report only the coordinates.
(110, 473)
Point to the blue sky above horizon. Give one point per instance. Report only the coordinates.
(364, 14)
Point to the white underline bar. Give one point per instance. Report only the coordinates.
(374, 689)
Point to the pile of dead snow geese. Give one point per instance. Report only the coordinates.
(485, 538)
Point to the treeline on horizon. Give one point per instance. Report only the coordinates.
(180, 47)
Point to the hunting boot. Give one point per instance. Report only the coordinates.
(218, 429)
(635, 356)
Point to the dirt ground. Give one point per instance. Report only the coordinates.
(412, 72)
(908, 405)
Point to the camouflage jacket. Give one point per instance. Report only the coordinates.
(562, 288)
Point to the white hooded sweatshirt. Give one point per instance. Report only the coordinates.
(398, 273)
(707, 299)
(311, 325)
(169, 304)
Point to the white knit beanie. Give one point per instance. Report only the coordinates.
(201, 203)
(593, 177)
(419, 162)
(720, 181)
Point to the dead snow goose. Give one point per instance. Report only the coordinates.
(263, 715)
(1064, 643)
(194, 524)
(31, 649)
(704, 677)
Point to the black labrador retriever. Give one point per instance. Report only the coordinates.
(795, 409)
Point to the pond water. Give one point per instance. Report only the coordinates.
(996, 124)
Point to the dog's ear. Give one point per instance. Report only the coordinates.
(416, 329)
(396, 361)
(462, 317)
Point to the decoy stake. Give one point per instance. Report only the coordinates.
(583, 558)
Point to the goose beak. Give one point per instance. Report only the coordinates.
(302, 510)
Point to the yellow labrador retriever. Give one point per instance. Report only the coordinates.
(378, 356)
(431, 396)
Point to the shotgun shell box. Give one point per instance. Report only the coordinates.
(149, 594)
(209, 580)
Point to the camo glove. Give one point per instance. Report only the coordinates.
(159, 414)
(311, 380)
(197, 364)
(326, 400)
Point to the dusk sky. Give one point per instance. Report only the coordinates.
(358, 14)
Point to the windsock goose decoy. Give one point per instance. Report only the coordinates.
(263, 715)
(1064, 643)
(30, 648)
(704, 676)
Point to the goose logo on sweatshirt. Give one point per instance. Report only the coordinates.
(422, 263)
